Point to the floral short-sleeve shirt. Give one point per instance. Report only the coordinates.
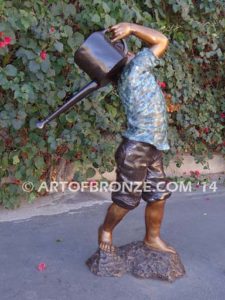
(143, 101)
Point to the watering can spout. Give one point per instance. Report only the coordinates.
(74, 98)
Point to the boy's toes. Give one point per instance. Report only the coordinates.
(102, 246)
(173, 250)
(112, 248)
(106, 247)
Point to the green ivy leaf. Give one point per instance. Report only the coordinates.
(109, 21)
(45, 65)
(33, 66)
(16, 159)
(25, 22)
(68, 30)
(105, 7)
(76, 40)
(69, 10)
(95, 18)
(10, 70)
(39, 162)
(176, 8)
(71, 117)
(17, 123)
(90, 172)
(58, 46)
(61, 94)
(25, 53)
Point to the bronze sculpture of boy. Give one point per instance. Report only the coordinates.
(139, 156)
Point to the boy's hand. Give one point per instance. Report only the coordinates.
(120, 31)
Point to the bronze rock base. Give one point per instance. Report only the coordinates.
(139, 260)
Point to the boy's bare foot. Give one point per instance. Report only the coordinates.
(158, 244)
(105, 240)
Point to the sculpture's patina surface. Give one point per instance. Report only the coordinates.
(139, 160)
(139, 260)
(143, 101)
(139, 157)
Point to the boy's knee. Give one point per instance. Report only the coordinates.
(126, 202)
(156, 196)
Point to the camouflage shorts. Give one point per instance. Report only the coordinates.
(139, 173)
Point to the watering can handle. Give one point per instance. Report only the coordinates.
(122, 40)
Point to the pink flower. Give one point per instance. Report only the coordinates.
(222, 115)
(43, 55)
(2, 44)
(7, 40)
(41, 266)
(162, 84)
(197, 185)
(52, 29)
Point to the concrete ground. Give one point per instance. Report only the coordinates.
(61, 231)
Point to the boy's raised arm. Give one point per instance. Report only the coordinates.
(157, 41)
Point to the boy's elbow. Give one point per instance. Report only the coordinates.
(164, 44)
(161, 47)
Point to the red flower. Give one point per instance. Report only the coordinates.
(52, 29)
(162, 84)
(7, 40)
(17, 181)
(41, 267)
(206, 130)
(43, 55)
(222, 115)
(74, 185)
(92, 182)
(195, 173)
(2, 44)
(78, 155)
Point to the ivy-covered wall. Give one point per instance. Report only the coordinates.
(37, 43)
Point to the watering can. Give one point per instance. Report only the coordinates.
(101, 60)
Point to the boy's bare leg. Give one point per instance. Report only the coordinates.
(153, 219)
(114, 215)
